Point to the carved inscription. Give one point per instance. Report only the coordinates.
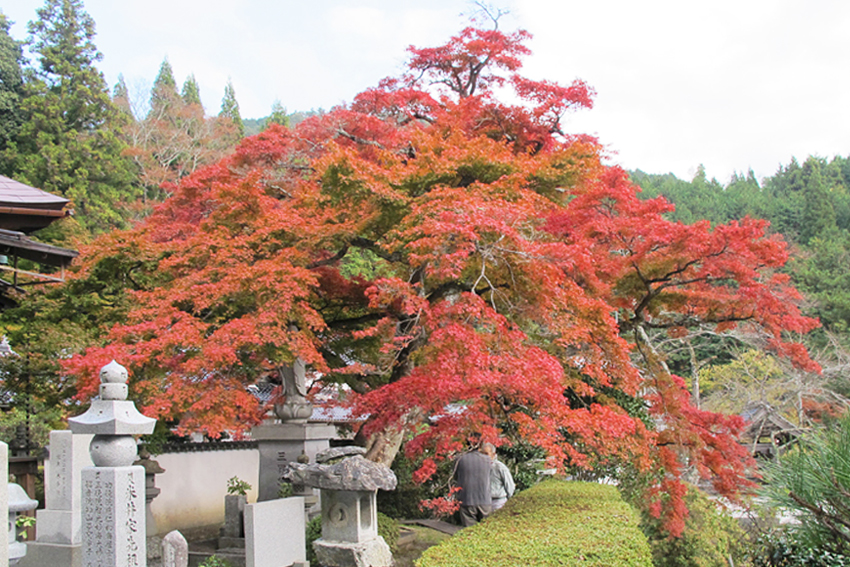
(98, 520)
(60, 474)
(131, 495)
(113, 517)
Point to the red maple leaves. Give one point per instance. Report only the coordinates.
(499, 277)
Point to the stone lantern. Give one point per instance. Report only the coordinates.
(18, 502)
(349, 510)
(113, 491)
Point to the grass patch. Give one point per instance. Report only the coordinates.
(554, 523)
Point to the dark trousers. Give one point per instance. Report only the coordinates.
(470, 515)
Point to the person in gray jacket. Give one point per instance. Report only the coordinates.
(472, 475)
(501, 481)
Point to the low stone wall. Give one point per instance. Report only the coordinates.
(195, 482)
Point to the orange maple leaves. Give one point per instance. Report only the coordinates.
(508, 274)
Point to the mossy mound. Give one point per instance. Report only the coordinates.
(553, 523)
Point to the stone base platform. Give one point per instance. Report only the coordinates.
(372, 553)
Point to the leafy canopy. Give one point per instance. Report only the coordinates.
(430, 244)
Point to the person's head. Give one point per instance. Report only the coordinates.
(489, 449)
(474, 440)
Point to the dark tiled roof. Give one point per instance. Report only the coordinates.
(16, 194)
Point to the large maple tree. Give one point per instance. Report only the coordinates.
(434, 246)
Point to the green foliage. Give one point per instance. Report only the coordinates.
(230, 108)
(235, 485)
(820, 273)
(53, 322)
(162, 434)
(753, 376)
(710, 538)
(818, 213)
(389, 530)
(524, 461)
(216, 561)
(41, 422)
(313, 531)
(813, 482)
(164, 90)
(403, 502)
(68, 144)
(278, 115)
(362, 263)
(284, 490)
(22, 523)
(553, 523)
(11, 85)
(776, 549)
(121, 97)
(191, 93)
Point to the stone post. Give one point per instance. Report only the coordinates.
(175, 550)
(349, 510)
(60, 521)
(4, 502)
(113, 491)
(58, 526)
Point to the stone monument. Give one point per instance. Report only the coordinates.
(274, 533)
(58, 538)
(113, 490)
(349, 510)
(283, 442)
(175, 550)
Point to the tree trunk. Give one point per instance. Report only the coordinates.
(383, 446)
(694, 374)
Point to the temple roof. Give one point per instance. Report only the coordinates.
(16, 194)
(26, 209)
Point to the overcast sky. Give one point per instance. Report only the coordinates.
(731, 84)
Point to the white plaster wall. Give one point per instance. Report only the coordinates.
(194, 485)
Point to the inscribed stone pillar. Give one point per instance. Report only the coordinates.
(60, 521)
(281, 444)
(113, 491)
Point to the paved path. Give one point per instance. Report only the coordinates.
(438, 525)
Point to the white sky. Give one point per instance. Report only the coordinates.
(731, 84)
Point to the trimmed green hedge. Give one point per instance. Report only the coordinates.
(553, 523)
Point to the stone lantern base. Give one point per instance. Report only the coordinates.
(372, 553)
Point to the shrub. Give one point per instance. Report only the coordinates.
(313, 532)
(235, 485)
(552, 523)
(812, 482)
(710, 538)
(216, 561)
(388, 529)
(778, 549)
(403, 502)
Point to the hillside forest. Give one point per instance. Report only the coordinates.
(428, 244)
